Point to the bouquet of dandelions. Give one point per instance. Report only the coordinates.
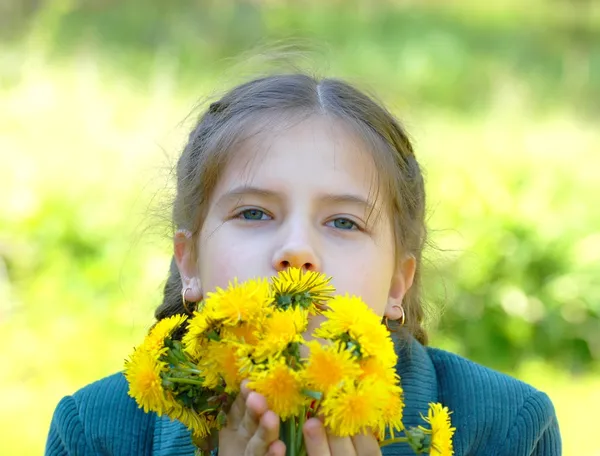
(254, 330)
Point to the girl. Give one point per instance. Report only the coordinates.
(290, 171)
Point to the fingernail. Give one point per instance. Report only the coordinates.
(312, 428)
(183, 232)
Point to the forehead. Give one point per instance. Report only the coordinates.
(315, 153)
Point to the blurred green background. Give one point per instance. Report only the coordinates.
(502, 100)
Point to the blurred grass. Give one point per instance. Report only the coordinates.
(546, 51)
(90, 125)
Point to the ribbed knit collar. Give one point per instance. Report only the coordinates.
(419, 383)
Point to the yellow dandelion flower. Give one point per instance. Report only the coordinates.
(194, 339)
(343, 314)
(282, 388)
(375, 340)
(392, 412)
(354, 410)
(441, 430)
(279, 329)
(200, 425)
(350, 315)
(245, 333)
(295, 281)
(329, 366)
(221, 362)
(142, 371)
(372, 367)
(240, 301)
(386, 380)
(155, 340)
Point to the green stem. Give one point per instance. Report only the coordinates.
(299, 436)
(187, 381)
(283, 435)
(392, 441)
(176, 355)
(189, 370)
(292, 435)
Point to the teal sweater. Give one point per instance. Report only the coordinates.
(494, 414)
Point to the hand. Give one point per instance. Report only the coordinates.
(252, 429)
(320, 443)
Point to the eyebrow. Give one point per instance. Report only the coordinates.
(348, 198)
(343, 198)
(247, 190)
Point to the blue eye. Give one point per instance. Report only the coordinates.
(344, 224)
(253, 214)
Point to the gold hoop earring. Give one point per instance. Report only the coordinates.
(402, 318)
(386, 323)
(183, 300)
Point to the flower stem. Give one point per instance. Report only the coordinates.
(299, 436)
(188, 381)
(392, 441)
(283, 435)
(291, 422)
(189, 370)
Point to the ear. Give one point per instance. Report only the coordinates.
(183, 250)
(401, 283)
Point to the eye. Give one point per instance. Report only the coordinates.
(342, 223)
(253, 214)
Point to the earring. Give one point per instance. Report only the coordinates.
(386, 323)
(400, 320)
(183, 300)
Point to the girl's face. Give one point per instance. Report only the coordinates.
(300, 196)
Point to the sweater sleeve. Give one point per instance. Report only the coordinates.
(535, 430)
(101, 419)
(66, 436)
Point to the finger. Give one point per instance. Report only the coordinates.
(238, 408)
(244, 390)
(315, 438)
(236, 412)
(266, 433)
(277, 448)
(366, 444)
(341, 446)
(256, 406)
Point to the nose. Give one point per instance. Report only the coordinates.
(297, 251)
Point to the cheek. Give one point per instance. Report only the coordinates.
(216, 265)
(376, 295)
(216, 273)
(371, 285)
(225, 255)
(369, 277)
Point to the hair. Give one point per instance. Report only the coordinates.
(243, 110)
